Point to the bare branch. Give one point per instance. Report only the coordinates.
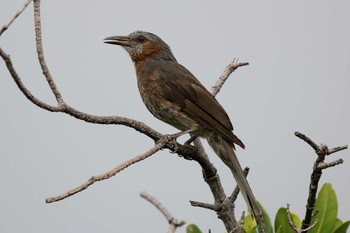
(108, 174)
(158, 205)
(168, 141)
(235, 192)
(224, 210)
(215, 207)
(322, 166)
(322, 151)
(173, 222)
(21, 86)
(230, 68)
(336, 149)
(40, 52)
(307, 140)
(6, 26)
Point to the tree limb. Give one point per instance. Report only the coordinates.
(319, 165)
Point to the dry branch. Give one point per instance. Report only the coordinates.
(173, 222)
(108, 174)
(6, 26)
(319, 165)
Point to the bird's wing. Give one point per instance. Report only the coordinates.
(196, 101)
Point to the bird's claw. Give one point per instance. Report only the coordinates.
(171, 140)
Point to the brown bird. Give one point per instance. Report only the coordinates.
(174, 95)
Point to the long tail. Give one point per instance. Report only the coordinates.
(224, 150)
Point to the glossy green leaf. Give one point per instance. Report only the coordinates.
(249, 224)
(192, 228)
(267, 220)
(326, 204)
(343, 227)
(281, 221)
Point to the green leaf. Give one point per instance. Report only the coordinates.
(192, 228)
(279, 230)
(343, 227)
(249, 224)
(326, 204)
(267, 220)
(337, 223)
(281, 221)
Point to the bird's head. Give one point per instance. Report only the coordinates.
(142, 45)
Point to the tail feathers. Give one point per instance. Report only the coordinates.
(246, 191)
(256, 212)
(225, 151)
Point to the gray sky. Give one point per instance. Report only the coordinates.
(298, 80)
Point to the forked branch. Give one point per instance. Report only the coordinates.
(319, 165)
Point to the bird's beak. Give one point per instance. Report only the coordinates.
(118, 40)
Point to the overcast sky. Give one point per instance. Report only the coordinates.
(298, 80)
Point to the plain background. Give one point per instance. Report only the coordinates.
(298, 80)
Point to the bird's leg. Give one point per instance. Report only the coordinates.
(192, 138)
(179, 134)
(172, 138)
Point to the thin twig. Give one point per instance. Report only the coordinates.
(168, 141)
(336, 149)
(230, 68)
(292, 225)
(307, 140)
(322, 166)
(215, 207)
(22, 87)
(108, 174)
(40, 52)
(235, 192)
(290, 221)
(6, 26)
(173, 222)
(158, 205)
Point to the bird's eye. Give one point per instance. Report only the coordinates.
(141, 39)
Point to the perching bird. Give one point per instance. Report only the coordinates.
(174, 95)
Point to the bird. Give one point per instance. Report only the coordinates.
(175, 96)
